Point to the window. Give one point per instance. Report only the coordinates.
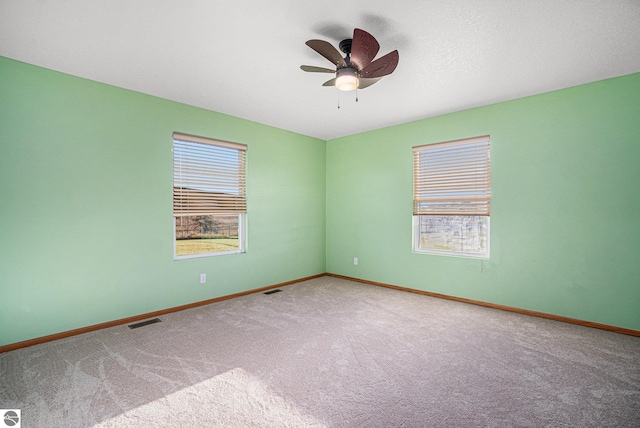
(209, 203)
(451, 197)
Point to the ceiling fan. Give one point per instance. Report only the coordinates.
(357, 70)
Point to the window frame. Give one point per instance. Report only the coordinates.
(417, 239)
(224, 203)
(454, 202)
(241, 242)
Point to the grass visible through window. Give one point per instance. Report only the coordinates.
(186, 247)
(206, 234)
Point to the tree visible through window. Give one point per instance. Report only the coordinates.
(207, 234)
(452, 196)
(209, 201)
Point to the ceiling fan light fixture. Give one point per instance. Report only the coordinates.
(346, 79)
(358, 69)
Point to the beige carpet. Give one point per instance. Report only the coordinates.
(330, 353)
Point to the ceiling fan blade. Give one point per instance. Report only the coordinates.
(315, 69)
(364, 82)
(328, 51)
(331, 82)
(364, 48)
(382, 66)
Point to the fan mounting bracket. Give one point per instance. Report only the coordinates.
(345, 46)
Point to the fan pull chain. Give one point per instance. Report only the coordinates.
(338, 91)
(356, 94)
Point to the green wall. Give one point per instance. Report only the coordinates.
(86, 222)
(565, 219)
(86, 204)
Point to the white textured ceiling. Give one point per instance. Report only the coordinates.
(242, 57)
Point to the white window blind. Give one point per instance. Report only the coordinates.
(452, 178)
(208, 176)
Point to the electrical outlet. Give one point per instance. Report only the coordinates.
(203, 278)
(355, 261)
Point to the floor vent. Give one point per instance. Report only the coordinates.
(143, 323)
(272, 291)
